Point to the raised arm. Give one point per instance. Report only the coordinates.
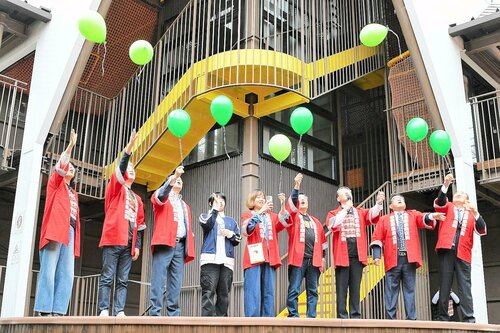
(480, 224)
(162, 193)
(61, 168)
(441, 199)
(375, 211)
(334, 219)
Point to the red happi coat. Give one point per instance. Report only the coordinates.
(115, 228)
(297, 238)
(56, 216)
(386, 237)
(271, 254)
(166, 219)
(340, 251)
(448, 229)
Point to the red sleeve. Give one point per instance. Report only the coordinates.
(329, 224)
(420, 219)
(58, 175)
(378, 237)
(441, 209)
(140, 215)
(113, 189)
(277, 224)
(291, 208)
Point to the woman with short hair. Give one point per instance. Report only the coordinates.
(261, 258)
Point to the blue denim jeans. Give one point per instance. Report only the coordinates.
(406, 273)
(168, 267)
(258, 285)
(116, 262)
(55, 281)
(295, 277)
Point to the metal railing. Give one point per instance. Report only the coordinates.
(213, 44)
(414, 166)
(486, 118)
(306, 47)
(12, 118)
(91, 115)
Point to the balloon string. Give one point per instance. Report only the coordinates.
(447, 163)
(103, 58)
(139, 75)
(299, 152)
(415, 160)
(180, 149)
(281, 178)
(225, 146)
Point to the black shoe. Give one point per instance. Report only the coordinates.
(44, 314)
(57, 314)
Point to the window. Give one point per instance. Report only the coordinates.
(305, 155)
(317, 152)
(212, 144)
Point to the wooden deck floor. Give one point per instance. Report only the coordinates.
(227, 325)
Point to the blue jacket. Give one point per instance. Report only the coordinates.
(208, 223)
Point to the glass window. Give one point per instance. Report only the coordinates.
(322, 128)
(212, 144)
(305, 155)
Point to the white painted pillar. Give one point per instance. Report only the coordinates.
(430, 20)
(57, 51)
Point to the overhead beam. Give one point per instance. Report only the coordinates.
(28, 10)
(12, 26)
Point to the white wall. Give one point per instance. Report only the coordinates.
(57, 51)
(430, 20)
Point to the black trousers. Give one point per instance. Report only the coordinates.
(448, 265)
(348, 277)
(215, 280)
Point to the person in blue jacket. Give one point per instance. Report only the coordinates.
(220, 235)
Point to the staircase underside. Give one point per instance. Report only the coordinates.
(279, 80)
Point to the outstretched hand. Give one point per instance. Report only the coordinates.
(380, 197)
(298, 180)
(439, 216)
(471, 206)
(131, 142)
(72, 141)
(448, 180)
(282, 198)
(179, 171)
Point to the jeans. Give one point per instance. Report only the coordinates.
(348, 277)
(406, 273)
(168, 267)
(449, 264)
(215, 280)
(258, 286)
(295, 276)
(55, 281)
(116, 261)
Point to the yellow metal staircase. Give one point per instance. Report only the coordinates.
(157, 151)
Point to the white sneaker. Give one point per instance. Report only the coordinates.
(121, 314)
(104, 313)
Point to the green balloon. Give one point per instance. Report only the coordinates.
(440, 142)
(222, 109)
(179, 122)
(373, 34)
(417, 129)
(92, 26)
(301, 120)
(280, 147)
(141, 52)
